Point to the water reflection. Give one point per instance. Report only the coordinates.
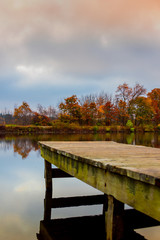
(69, 228)
(23, 145)
(21, 183)
(21, 186)
(86, 227)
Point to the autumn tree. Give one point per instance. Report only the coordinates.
(2, 120)
(104, 104)
(137, 91)
(88, 98)
(126, 98)
(109, 113)
(124, 93)
(47, 111)
(143, 111)
(40, 120)
(70, 110)
(23, 114)
(88, 111)
(122, 112)
(154, 96)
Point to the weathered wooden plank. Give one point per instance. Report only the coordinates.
(77, 201)
(138, 162)
(48, 175)
(48, 193)
(114, 219)
(126, 174)
(141, 196)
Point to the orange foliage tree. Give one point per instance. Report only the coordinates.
(88, 111)
(109, 112)
(40, 120)
(70, 110)
(23, 114)
(122, 112)
(129, 103)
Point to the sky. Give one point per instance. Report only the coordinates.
(52, 49)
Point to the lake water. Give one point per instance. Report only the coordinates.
(23, 189)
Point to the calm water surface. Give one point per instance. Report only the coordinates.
(23, 189)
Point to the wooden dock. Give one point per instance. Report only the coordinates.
(127, 174)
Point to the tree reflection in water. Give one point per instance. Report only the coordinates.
(23, 145)
(86, 227)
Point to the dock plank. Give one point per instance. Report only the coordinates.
(143, 161)
(131, 174)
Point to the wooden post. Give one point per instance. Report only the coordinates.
(114, 219)
(48, 175)
(48, 193)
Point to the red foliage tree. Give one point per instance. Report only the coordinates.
(88, 111)
(109, 112)
(40, 120)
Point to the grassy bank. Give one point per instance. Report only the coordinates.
(73, 128)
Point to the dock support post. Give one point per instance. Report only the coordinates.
(48, 175)
(48, 193)
(114, 219)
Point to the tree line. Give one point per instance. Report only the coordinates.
(24, 115)
(104, 110)
(128, 103)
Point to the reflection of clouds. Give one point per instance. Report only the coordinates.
(22, 194)
(72, 187)
(150, 233)
(29, 186)
(22, 209)
(14, 227)
(28, 182)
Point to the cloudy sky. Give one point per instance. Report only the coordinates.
(51, 49)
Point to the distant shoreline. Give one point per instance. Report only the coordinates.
(71, 129)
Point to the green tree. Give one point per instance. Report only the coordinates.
(154, 96)
(143, 111)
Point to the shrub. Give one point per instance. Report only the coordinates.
(95, 129)
(40, 120)
(148, 128)
(129, 124)
(108, 129)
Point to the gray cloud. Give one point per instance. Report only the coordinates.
(77, 47)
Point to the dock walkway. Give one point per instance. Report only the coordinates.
(127, 174)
